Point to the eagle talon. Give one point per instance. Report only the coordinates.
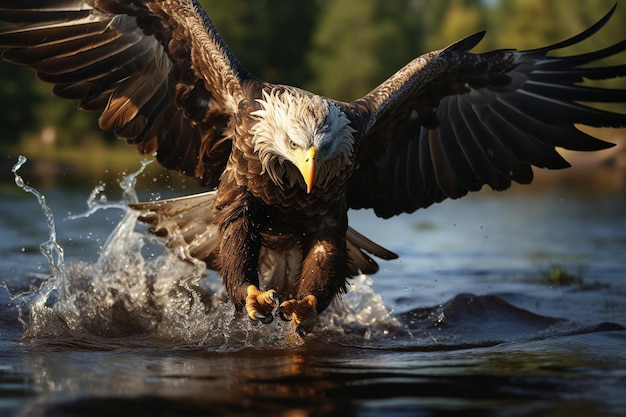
(280, 312)
(274, 297)
(301, 332)
(259, 304)
(302, 312)
(263, 319)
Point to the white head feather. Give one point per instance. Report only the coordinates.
(289, 120)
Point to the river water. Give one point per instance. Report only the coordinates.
(507, 303)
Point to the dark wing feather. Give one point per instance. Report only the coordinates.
(158, 71)
(186, 225)
(451, 121)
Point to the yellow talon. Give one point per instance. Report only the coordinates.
(303, 313)
(260, 304)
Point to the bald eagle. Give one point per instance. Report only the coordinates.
(283, 165)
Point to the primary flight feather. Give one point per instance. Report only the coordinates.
(285, 165)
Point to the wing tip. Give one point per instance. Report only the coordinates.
(466, 43)
(591, 30)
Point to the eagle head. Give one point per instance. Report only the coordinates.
(301, 138)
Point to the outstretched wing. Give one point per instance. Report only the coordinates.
(159, 72)
(450, 122)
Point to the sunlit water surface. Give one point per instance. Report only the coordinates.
(469, 320)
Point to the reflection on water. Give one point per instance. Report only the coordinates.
(541, 379)
(462, 323)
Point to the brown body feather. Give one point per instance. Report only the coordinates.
(446, 124)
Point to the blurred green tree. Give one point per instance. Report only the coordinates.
(358, 44)
(340, 48)
(446, 21)
(19, 91)
(270, 38)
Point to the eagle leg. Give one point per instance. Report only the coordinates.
(260, 304)
(302, 312)
(240, 246)
(324, 275)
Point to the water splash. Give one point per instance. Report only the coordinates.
(122, 294)
(35, 302)
(50, 246)
(361, 315)
(137, 293)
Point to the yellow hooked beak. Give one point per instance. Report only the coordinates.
(305, 162)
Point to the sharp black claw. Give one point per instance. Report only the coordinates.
(300, 332)
(264, 319)
(275, 298)
(281, 313)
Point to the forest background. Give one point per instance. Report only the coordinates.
(338, 48)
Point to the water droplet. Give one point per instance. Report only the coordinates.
(19, 181)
